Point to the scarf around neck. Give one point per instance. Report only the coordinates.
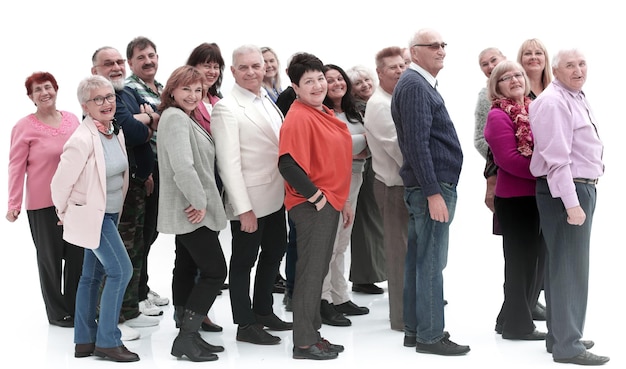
(519, 115)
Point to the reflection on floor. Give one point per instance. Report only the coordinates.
(473, 289)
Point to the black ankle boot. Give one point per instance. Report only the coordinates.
(188, 340)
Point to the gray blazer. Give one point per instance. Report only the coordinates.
(186, 155)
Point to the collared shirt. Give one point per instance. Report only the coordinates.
(429, 77)
(151, 97)
(265, 106)
(567, 144)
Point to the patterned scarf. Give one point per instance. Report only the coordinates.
(521, 124)
(107, 131)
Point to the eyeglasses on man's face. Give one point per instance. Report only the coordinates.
(99, 100)
(434, 46)
(111, 63)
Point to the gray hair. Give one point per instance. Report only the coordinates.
(246, 49)
(89, 84)
(559, 55)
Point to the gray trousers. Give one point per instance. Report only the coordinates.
(567, 268)
(315, 240)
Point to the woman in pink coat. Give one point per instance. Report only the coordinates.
(88, 190)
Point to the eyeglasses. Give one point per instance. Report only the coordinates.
(518, 76)
(110, 63)
(99, 100)
(434, 46)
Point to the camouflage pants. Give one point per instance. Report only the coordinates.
(131, 230)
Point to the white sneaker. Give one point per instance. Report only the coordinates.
(142, 321)
(156, 299)
(148, 308)
(128, 333)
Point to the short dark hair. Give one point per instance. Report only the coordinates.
(140, 42)
(301, 63)
(39, 77)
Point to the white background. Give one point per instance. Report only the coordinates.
(61, 36)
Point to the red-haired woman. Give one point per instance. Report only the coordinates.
(36, 144)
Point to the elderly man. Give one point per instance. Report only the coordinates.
(143, 61)
(386, 162)
(567, 159)
(430, 172)
(138, 120)
(246, 125)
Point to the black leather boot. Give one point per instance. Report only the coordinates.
(188, 340)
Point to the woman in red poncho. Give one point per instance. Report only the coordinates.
(315, 158)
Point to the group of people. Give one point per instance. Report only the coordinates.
(543, 157)
(183, 159)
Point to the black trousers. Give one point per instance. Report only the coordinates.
(199, 270)
(523, 246)
(58, 282)
(271, 239)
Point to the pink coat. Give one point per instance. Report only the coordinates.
(79, 186)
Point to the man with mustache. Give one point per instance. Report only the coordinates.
(143, 61)
(138, 121)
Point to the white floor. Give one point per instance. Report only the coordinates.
(473, 288)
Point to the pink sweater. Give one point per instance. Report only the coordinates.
(514, 177)
(33, 157)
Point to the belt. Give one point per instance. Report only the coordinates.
(579, 180)
(586, 180)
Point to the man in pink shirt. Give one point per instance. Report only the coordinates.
(567, 160)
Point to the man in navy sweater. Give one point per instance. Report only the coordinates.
(430, 172)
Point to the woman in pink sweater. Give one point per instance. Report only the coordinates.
(36, 144)
(510, 139)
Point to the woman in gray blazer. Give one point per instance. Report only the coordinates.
(191, 208)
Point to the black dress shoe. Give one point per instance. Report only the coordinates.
(254, 333)
(205, 345)
(317, 351)
(208, 326)
(119, 354)
(331, 346)
(330, 316)
(65, 322)
(274, 323)
(350, 308)
(225, 286)
(585, 358)
(279, 284)
(84, 349)
(587, 343)
(539, 312)
(369, 288)
(443, 347)
(535, 335)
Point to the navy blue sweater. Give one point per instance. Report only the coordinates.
(141, 157)
(426, 135)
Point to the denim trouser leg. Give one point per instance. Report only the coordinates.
(426, 258)
(110, 259)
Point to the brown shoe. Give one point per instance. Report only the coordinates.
(119, 354)
(84, 349)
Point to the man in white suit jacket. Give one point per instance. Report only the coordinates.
(245, 125)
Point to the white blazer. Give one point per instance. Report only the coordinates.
(79, 186)
(247, 155)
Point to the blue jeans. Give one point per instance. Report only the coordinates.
(109, 260)
(426, 257)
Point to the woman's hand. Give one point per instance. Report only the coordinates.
(12, 215)
(195, 216)
(347, 214)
